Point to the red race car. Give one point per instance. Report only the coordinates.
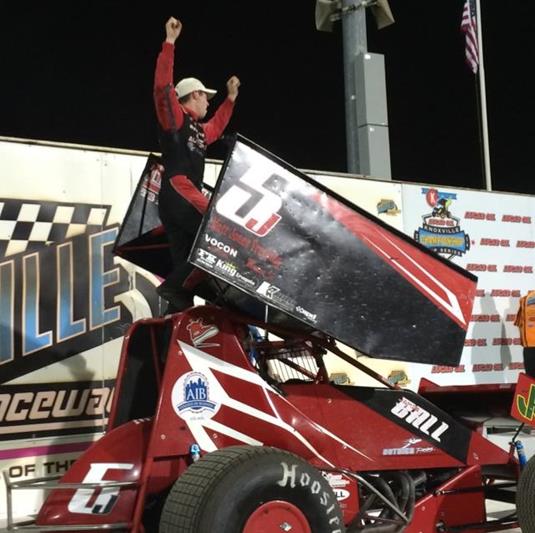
(214, 430)
(227, 421)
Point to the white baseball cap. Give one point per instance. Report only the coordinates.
(188, 85)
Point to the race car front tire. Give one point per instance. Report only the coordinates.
(246, 489)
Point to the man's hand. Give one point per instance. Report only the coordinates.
(173, 27)
(232, 87)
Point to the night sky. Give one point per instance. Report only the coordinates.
(83, 73)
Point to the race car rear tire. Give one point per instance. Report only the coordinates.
(246, 489)
(524, 497)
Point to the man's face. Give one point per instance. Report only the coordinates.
(201, 103)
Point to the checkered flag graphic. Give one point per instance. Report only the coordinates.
(28, 225)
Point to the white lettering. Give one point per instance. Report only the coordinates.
(324, 500)
(263, 204)
(308, 314)
(416, 416)
(436, 434)
(288, 474)
(220, 245)
(304, 479)
(316, 487)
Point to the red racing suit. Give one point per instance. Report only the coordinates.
(183, 141)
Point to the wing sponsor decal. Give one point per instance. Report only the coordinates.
(216, 244)
(273, 293)
(151, 182)
(330, 265)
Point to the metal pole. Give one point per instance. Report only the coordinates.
(355, 42)
(483, 94)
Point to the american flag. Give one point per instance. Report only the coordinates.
(469, 28)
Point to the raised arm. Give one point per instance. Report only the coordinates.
(214, 128)
(168, 110)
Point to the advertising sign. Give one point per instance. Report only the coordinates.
(284, 239)
(491, 235)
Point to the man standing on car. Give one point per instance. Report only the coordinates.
(183, 141)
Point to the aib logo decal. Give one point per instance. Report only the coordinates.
(440, 230)
(526, 406)
(199, 333)
(191, 397)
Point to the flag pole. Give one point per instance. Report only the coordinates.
(483, 99)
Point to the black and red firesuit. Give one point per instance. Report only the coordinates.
(183, 141)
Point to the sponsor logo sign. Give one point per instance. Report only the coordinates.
(272, 292)
(523, 407)
(338, 483)
(206, 258)
(387, 206)
(152, 182)
(219, 245)
(191, 397)
(526, 404)
(60, 291)
(409, 448)
(399, 377)
(441, 231)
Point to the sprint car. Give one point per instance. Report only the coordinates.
(225, 417)
(213, 429)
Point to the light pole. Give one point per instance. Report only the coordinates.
(368, 148)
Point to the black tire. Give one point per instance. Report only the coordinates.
(524, 497)
(220, 492)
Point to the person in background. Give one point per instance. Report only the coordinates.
(183, 141)
(525, 321)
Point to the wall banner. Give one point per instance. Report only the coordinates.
(491, 235)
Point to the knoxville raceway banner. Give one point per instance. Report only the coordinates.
(65, 302)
